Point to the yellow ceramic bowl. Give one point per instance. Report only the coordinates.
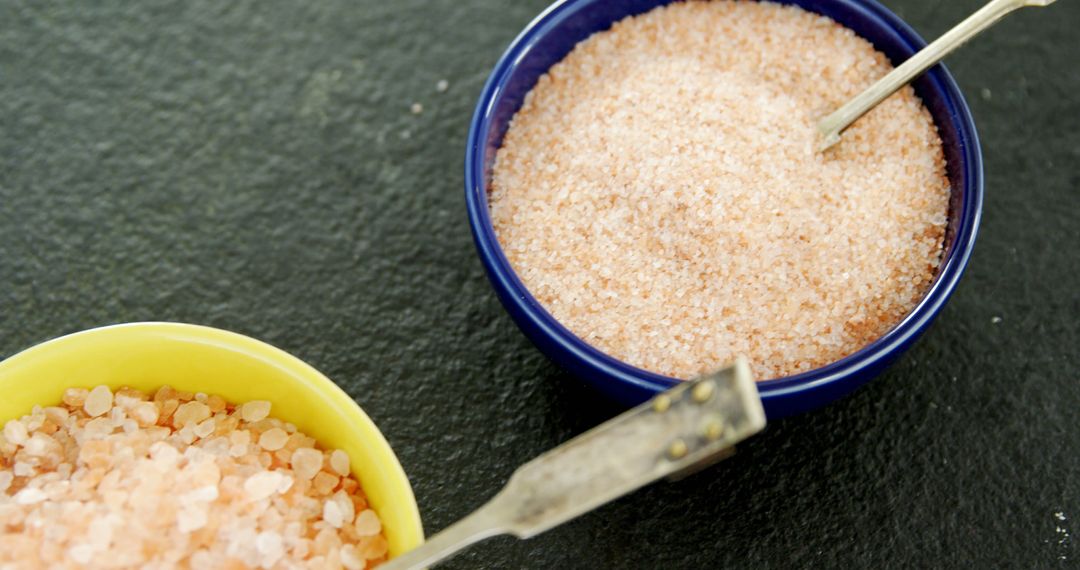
(201, 359)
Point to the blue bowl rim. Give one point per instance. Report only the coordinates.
(501, 272)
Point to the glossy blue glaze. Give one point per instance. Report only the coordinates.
(552, 35)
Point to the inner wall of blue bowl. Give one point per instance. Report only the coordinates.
(555, 33)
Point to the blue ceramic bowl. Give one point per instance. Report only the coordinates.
(551, 36)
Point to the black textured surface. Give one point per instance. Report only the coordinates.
(255, 166)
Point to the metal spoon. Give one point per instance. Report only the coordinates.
(830, 127)
(680, 431)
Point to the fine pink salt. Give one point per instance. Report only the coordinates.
(176, 480)
(660, 192)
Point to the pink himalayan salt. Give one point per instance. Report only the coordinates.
(145, 413)
(339, 462)
(351, 559)
(332, 514)
(367, 523)
(661, 194)
(98, 401)
(372, 546)
(255, 410)
(273, 439)
(324, 483)
(178, 497)
(306, 463)
(75, 397)
(263, 484)
(15, 432)
(190, 413)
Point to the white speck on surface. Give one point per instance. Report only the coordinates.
(416, 108)
(1064, 539)
(442, 86)
(995, 320)
(986, 94)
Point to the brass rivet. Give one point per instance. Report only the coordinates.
(713, 430)
(661, 403)
(703, 391)
(678, 449)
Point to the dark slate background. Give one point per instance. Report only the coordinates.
(255, 166)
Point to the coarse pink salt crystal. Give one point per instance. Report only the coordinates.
(324, 483)
(205, 494)
(98, 401)
(240, 437)
(29, 496)
(23, 469)
(306, 462)
(263, 484)
(265, 460)
(332, 514)
(372, 546)
(255, 410)
(190, 519)
(145, 413)
(75, 397)
(367, 523)
(216, 403)
(164, 453)
(339, 462)
(158, 495)
(81, 553)
(15, 432)
(326, 540)
(57, 415)
(286, 483)
(273, 439)
(40, 445)
(100, 533)
(205, 428)
(189, 413)
(270, 546)
(351, 559)
(345, 505)
(99, 427)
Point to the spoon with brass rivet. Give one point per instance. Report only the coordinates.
(678, 431)
(832, 126)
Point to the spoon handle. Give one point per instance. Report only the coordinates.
(830, 127)
(689, 426)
